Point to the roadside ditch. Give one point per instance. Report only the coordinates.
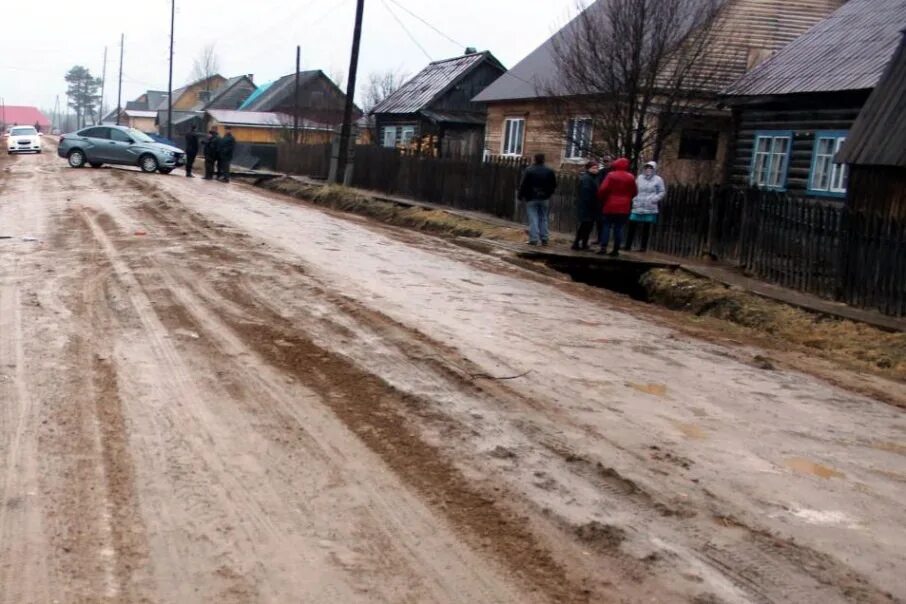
(705, 305)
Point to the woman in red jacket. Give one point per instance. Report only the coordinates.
(616, 195)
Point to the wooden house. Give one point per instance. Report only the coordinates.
(228, 94)
(875, 150)
(747, 32)
(435, 108)
(262, 127)
(794, 112)
(320, 100)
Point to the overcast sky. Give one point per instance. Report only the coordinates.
(42, 39)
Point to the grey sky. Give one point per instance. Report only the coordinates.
(42, 39)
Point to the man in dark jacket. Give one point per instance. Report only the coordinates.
(191, 150)
(538, 185)
(211, 150)
(588, 210)
(616, 195)
(225, 155)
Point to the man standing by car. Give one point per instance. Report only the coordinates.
(225, 154)
(211, 150)
(191, 150)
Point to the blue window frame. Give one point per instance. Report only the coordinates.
(771, 159)
(827, 177)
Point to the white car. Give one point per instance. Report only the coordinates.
(22, 139)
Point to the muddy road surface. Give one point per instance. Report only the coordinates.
(212, 393)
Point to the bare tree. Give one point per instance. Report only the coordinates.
(631, 70)
(206, 65)
(380, 85)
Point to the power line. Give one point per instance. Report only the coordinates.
(400, 6)
(405, 29)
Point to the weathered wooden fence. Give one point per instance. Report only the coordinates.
(310, 160)
(800, 243)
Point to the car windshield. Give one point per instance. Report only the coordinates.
(139, 136)
(23, 132)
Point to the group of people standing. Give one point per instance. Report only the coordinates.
(218, 153)
(609, 198)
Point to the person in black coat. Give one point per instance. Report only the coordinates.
(211, 153)
(588, 209)
(538, 185)
(191, 150)
(225, 155)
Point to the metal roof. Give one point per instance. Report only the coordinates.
(261, 119)
(270, 95)
(878, 138)
(847, 51)
(140, 113)
(23, 116)
(537, 75)
(432, 82)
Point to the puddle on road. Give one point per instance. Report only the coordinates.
(653, 389)
(805, 466)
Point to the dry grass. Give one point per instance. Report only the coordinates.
(354, 201)
(857, 344)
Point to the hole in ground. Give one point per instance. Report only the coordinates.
(622, 277)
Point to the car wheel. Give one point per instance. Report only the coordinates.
(148, 163)
(77, 158)
(96, 165)
(165, 170)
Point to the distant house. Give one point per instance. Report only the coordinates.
(875, 150)
(794, 112)
(520, 123)
(435, 108)
(264, 127)
(215, 93)
(320, 100)
(19, 115)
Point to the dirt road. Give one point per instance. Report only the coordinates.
(211, 393)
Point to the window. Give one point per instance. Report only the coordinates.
(407, 133)
(204, 96)
(95, 133)
(578, 138)
(698, 144)
(395, 136)
(770, 160)
(390, 136)
(828, 177)
(513, 135)
(119, 136)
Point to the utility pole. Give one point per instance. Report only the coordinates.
(346, 131)
(56, 116)
(170, 84)
(103, 84)
(119, 93)
(296, 97)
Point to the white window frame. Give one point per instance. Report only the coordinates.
(406, 135)
(389, 132)
(825, 168)
(769, 164)
(513, 139)
(578, 144)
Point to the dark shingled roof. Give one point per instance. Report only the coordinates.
(431, 83)
(847, 51)
(878, 138)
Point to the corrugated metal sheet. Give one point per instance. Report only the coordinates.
(745, 27)
(23, 116)
(847, 51)
(878, 138)
(430, 83)
(275, 92)
(261, 119)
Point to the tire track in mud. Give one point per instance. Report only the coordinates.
(757, 563)
(375, 412)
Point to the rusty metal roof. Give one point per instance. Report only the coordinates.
(878, 138)
(847, 51)
(431, 82)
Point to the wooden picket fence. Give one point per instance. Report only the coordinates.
(800, 243)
